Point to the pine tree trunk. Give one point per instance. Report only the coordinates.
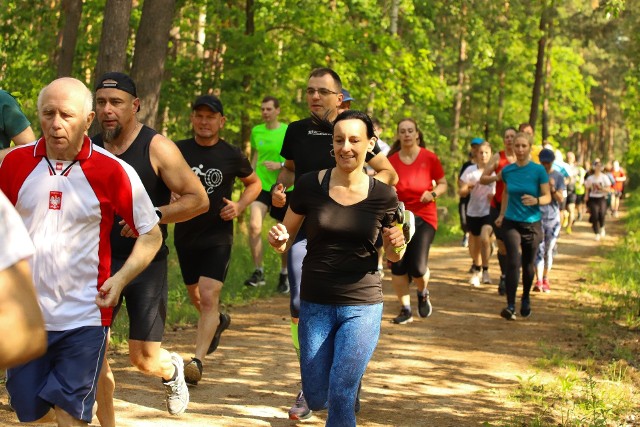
(152, 40)
(71, 13)
(112, 53)
(537, 84)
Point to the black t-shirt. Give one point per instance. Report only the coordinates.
(341, 262)
(310, 147)
(138, 156)
(217, 167)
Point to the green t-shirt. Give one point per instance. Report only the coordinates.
(12, 119)
(267, 142)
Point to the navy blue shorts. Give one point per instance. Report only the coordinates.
(211, 262)
(66, 376)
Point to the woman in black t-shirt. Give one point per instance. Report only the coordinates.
(344, 210)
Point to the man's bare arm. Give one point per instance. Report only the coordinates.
(490, 168)
(384, 171)
(21, 323)
(169, 164)
(144, 250)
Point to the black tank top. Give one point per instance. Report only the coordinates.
(137, 155)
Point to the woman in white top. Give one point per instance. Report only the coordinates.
(597, 187)
(478, 218)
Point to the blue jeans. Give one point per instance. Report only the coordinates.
(544, 257)
(336, 344)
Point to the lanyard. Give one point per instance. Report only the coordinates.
(52, 170)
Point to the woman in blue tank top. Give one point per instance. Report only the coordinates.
(526, 188)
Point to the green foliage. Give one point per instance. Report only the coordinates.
(413, 72)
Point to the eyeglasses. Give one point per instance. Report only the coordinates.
(322, 91)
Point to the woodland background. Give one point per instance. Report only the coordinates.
(461, 68)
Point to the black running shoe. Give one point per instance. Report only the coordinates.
(525, 308)
(193, 372)
(424, 304)
(404, 317)
(225, 321)
(283, 284)
(502, 286)
(256, 279)
(508, 313)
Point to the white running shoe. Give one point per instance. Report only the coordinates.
(485, 277)
(475, 279)
(177, 391)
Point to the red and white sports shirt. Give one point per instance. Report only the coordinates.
(68, 208)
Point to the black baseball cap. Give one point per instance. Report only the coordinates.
(546, 156)
(116, 80)
(208, 101)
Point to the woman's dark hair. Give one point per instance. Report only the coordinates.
(510, 128)
(357, 115)
(396, 145)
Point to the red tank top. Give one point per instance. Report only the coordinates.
(497, 198)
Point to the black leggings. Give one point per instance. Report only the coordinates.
(415, 259)
(598, 209)
(521, 240)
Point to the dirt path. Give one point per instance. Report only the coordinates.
(455, 368)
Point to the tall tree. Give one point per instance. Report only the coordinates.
(245, 119)
(71, 14)
(462, 58)
(112, 52)
(545, 17)
(152, 39)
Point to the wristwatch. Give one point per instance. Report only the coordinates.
(159, 213)
(434, 195)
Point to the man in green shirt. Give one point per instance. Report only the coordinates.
(266, 142)
(14, 125)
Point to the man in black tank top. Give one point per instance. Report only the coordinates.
(162, 170)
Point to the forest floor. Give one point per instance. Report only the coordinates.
(459, 367)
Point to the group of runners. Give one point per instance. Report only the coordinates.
(97, 211)
(522, 197)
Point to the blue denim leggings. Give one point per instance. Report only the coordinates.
(544, 257)
(336, 344)
(295, 256)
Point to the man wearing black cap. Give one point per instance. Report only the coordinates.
(163, 171)
(204, 243)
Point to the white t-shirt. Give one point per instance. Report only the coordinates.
(480, 196)
(16, 244)
(598, 185)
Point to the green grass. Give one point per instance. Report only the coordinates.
(596, 383)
